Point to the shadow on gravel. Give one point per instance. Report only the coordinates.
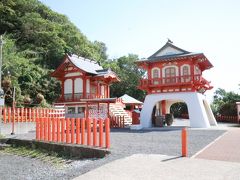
(173, 158)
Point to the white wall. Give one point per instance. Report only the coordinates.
(73, 74)
(169, 51)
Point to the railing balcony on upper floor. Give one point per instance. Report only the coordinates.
(69, 97)
(173, 81)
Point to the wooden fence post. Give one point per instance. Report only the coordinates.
(4, 115)
(9, 114)
(184, 143)
(63, 129)
(78, 131)
(37, 129)
(58, 130)
(82, 131)
(49, 129)
(72, 129)
(88, 131)
(100, 133)
(41, 128)
(67, 131)
(107, 133)
(45, 129)
(53, 130)
(94, 132)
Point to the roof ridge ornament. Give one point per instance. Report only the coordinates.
(169, 41)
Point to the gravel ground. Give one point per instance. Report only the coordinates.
(123, 143)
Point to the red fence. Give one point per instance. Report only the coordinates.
(28, 114)
(230, 119)
(117, 122)
(220, 118)
(91, 132)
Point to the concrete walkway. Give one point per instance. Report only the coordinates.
(143, 166)
(225, 148)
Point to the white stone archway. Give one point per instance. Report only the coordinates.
(200, 113)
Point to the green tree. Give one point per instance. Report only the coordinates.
(224, 102)
(130, 75)
(178, 109)
(36, 39)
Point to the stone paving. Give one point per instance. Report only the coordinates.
(225, 148)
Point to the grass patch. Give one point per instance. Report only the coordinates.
(2, 136)
(43, 155)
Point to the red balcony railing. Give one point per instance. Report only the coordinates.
(77, 96)
(172, 81)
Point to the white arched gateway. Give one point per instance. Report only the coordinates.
(200, 114)
(181, 81)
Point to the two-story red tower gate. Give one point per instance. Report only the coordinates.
(175, 75)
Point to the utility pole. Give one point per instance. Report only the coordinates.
(1, 90)
(1, 48)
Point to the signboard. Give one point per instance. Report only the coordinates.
(1, 97)
(1, 101)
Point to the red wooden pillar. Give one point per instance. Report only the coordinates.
(62, 89)
(58, 129)
(84, 87)
(41, 128)
(107, 133)
(4, 115)
(72, 130)
(86, 111)
(88, 131)
(184, 142)
(97, 91)
(192, 72)
(94, 132)
(163, 106)
(53, 129)
(108, 114)
(37, 129)
(100, 132)
(108, 91)
(78, 131)
(82, 131)
(30, 115)
(62, 129)
(49, 128)
(73, 85)
(67, 131)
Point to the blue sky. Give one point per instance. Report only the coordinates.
(142, 27)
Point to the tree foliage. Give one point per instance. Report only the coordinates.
(178, 109)
(36, 39)
(129, 73)
(224, 102)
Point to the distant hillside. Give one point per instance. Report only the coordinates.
(36, 39)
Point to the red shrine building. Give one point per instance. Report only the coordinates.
(175, 75)
(84, 85)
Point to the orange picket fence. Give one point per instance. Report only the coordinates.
(28, 114)
(230, 119)
(90, 132)
(117, 122)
